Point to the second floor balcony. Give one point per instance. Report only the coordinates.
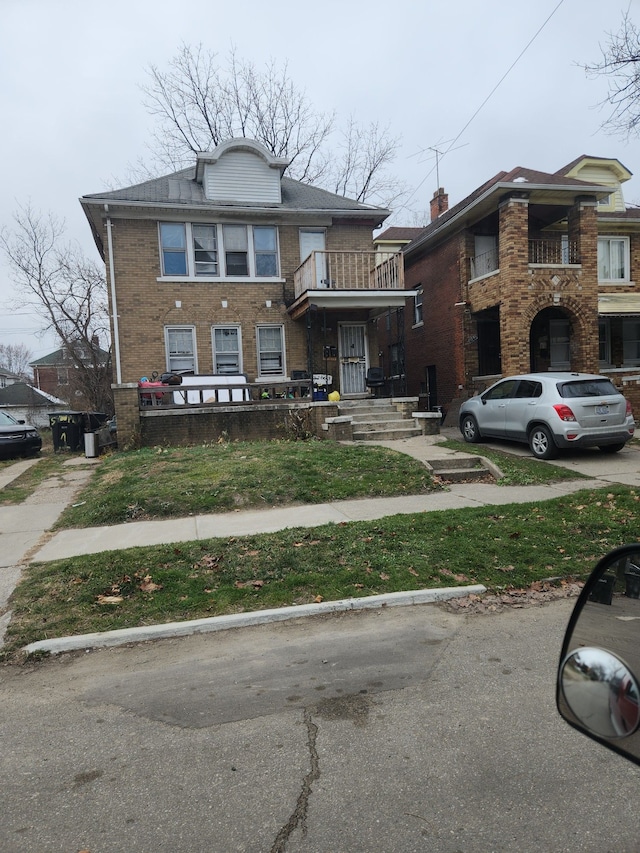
(343, 270)
(557, 251)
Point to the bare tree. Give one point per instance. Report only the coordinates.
(620, 64)
(200, 103)
(68, 292)
(15, 358)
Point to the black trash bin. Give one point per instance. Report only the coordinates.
(602, 592)
(67, 430)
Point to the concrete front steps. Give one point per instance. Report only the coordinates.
(462, 469)
(378, 420)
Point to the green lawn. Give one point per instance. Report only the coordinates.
(502, 547)
(182, 481)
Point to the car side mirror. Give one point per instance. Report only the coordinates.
(22, 421)
(598, 689)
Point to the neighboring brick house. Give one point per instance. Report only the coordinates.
(531, 272)
(229, 267)
(57, 375)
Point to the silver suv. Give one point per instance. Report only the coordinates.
(549, 411)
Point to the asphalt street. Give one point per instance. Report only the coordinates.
(404, 729)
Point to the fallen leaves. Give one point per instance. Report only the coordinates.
(538, 593)
(125, 588)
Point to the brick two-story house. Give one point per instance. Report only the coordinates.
(230, 267)
(531, 272)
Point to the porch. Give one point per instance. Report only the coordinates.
(342, 270)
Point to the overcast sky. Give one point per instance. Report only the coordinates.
(74, 122)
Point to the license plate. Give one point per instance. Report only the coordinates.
(602, 410)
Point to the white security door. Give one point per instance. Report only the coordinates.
(353, 358)
(311, 241)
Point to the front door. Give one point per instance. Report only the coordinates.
(353, 358)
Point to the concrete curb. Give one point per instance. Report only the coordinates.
(243, 620)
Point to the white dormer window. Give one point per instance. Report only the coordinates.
(241, 170)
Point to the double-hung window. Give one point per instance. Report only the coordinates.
(613, 258)
(236, 249)
(227, 349)
(205, 249)
(180, 342)
(417, 307)
(270, 351)
(265, 249)
(173, 244)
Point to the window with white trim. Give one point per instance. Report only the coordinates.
(270, 350)
(417, 307)
(173, 248)
(190, 249)
(227, 349)
(205, 249)
(180, 344)
(613, 259)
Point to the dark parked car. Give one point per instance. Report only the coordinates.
(17, 438)
(549, 412)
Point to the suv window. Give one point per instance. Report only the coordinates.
(587, 388)
(529, 388)
(502, 391)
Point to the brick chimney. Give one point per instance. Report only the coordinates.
(439, 203)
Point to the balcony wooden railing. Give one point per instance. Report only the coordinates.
(324, 270)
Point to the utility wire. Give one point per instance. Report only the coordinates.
(491, 93)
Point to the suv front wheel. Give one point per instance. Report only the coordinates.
(469, 429)
(541, 443)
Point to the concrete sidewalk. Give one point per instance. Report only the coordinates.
(23, 526)
(623, 467)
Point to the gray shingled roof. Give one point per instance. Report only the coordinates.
(21, 394)
(182, 188)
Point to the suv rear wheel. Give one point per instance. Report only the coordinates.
(541, 443)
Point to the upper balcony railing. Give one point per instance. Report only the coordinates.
(324, 270)
(553, 252)
(484, 263)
